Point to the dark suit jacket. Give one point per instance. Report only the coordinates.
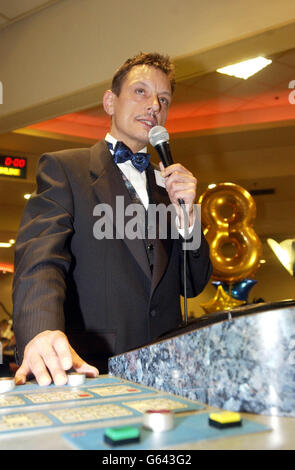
(100, 292)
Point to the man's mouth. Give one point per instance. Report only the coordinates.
(148, 122)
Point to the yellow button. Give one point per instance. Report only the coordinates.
(224, 417)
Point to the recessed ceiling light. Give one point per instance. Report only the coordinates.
(211, 186)
(246, 68)
(27, 196)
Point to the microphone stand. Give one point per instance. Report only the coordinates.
(186, 225)
(159, 138)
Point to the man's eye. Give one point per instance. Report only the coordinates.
(164, 101)
(139, 91)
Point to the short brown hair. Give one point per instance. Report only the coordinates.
(153, 59)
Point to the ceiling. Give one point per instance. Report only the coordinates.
(222, 128)
(15, 10)
(209, 102)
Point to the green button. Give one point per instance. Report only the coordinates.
(122, 433)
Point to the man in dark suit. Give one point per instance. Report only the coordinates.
(78, 295)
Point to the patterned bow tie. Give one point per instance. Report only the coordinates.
(122, 153)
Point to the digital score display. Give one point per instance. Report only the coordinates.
(15, 167)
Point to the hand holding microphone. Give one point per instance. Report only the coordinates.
(181, 184)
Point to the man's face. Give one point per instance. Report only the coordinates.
(142, 104)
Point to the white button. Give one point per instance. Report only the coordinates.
(158, 420)
(75, 379)
(6, 384)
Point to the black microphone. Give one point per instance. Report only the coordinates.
(159, 138)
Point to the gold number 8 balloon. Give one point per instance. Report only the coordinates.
(228, 213)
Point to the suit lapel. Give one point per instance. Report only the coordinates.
(162, 247)
(107, 184)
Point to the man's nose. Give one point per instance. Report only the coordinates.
(154, 104)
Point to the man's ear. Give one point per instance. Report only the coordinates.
(108, 102)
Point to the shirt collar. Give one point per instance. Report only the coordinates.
(113, 141)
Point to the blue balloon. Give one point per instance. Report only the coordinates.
(239, 290)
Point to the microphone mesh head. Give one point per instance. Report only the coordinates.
(157, 135)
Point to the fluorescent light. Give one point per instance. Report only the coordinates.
(7, 244)
(246, 68)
